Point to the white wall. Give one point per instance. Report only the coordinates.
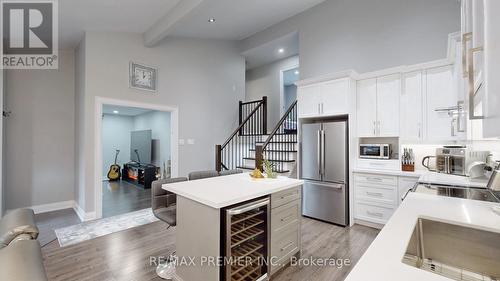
(159, 123)
(289, 95)
(115, 135)
(265, 81)
(203, 78)
(366, 35)
(40, 136)
(79, 110)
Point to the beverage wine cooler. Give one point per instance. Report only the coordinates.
(246, 241)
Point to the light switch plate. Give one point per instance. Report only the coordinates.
(190, 141)
(181, 141)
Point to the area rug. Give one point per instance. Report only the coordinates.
(92, 229)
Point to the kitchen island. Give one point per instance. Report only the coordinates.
(202, 207)
(384, 258)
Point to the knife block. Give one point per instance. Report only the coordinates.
(408, 167)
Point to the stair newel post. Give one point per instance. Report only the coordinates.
(218, 157)
(264, 115)
(259, 157)
(240, 114)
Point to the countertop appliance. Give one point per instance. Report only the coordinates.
(451, 160)
(375, 151)
(324, 168)
(246, 241)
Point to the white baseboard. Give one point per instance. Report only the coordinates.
(70, 204)
(84, 216)
(45, 208)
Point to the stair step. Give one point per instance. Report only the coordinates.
(274, 150)
(272, 160)
(252, 168)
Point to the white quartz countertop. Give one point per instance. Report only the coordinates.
(223, 191)
(382, 260)
(398, 173)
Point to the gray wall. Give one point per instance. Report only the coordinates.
(159, 124)
(115, 135)
(367, 35)
(79, 111)
(40, 136)
(203, 78)
(265, 81)
(290, 95)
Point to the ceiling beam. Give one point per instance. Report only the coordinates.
(164, 26)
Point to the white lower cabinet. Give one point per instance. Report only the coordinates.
(376, 196)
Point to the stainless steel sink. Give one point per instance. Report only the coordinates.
(453, 251)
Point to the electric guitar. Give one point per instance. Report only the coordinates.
(114, 170)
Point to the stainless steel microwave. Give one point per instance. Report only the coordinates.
(375, 151)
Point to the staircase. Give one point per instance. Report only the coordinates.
(249, 145)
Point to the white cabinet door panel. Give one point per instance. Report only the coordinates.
(388, 91)
(335, 97)
(367, 107)
(308, 100)
(411, 107)
(439, 94)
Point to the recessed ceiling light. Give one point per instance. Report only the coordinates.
(211, 20)
(297, 72)
(116, 111)
(281, 50)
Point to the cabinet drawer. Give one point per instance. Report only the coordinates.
(375, 193)
(285, 196)
(378, 164)
(376, 179)
(285, 215)
(373, 213)
(285, 243)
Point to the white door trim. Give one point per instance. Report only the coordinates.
(282, 87)
(174, 143)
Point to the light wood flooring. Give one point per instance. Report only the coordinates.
(125, 255)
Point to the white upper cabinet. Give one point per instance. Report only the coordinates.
(308, 99)
(324, 99)
(367, 107)
(411, 112)
(388, 92)
(440, 96)
(378, 106)
(491, 104)
(335, 97)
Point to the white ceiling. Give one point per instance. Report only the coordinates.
(237, 19)
(76, 16)
(268, 52)
(123, 111)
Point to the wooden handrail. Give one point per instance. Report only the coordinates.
(276, 128)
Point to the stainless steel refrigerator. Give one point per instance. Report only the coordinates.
(324, 167)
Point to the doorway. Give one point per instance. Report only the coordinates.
(288, 89)
(136, 144)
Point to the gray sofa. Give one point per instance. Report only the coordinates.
(20, 253)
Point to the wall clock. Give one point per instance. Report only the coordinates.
(143, 77)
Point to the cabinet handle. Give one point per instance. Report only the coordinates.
(286, 218)
(319, 108)
(374, 194)
(466, 37)
(374, 128)
(419, 130)
(472, 87)
(378, 128)
(380, 215)
(374, 179)
(453, 127)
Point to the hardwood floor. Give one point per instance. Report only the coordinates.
(125, 255)
(48, 222)
(119, 197)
